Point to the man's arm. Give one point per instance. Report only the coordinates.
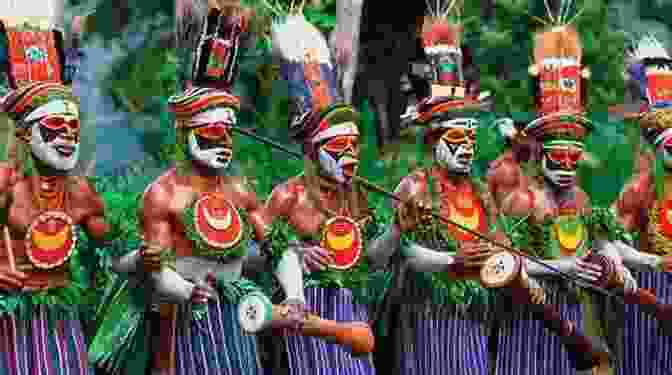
(381, 249)
(158, 249)
(289, 270)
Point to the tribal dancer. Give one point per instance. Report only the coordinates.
(440, 323)
(323, 215)
(46, 212)
(556, 215)
(643, 208)
(198, 222)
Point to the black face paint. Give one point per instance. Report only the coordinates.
(207, 144)
(49, 135)
(556, 166)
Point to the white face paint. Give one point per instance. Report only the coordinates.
(338, 158)
(215, 158)
(559, 164)
(455, 150)
(210, 143)
(58, 150)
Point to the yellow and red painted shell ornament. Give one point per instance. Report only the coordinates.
(466, 209)
(570, 233)
(50, 240)
(665, 218)
(217, 222)
(342, 237)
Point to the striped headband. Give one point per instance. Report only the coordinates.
(24, 101)
(197, 100)
(339, 120)
(563, 143)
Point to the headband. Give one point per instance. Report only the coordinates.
(343, 129)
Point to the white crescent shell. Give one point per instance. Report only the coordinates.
(218, 224)
(255, 312)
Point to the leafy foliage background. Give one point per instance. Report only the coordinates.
(139, 74)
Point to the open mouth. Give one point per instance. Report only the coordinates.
(465, 159)
(349, 169)
(565, 180)
(224, 155)
(65, 150)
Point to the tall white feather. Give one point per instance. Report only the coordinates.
(46, 14)
(293, 37)
(346, 36)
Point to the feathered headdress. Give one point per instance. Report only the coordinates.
(560, 80)
(194, 107)
(317, 111)
(450, 97)
(209, 33)
(650, 69)
(33, 65)
(33, 31)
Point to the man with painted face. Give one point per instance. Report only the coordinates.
(644, 205)
(322, 217)
(45, 209)
(434, 306)
(197, 222)
(551, 217)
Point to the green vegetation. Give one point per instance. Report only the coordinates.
(142, 81)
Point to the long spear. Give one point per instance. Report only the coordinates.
(584, 352)
(371, 186)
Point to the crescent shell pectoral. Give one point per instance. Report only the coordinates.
(218, 224)
(340, 243)
(50, 242)
(470, 222)
(570, 241)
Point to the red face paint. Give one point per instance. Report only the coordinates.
(214, 131)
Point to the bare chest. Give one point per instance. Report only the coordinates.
(209, 222)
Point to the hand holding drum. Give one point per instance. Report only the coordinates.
(256, 313)
(612, 278)
(505, 270)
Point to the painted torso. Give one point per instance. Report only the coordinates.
(568, 231)
(641, 211)
(214, 212)
(459, 200)
(505, 176)
(54, 236)
(308, 207)
(464, 201)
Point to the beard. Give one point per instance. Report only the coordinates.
(458, 162)
(48, 152)
(218, 158)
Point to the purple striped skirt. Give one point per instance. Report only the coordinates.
(314, 356)
(645, 350)
(525, 348)
(35, 345)
(433, 336)
(440, 340)
(214, 344)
